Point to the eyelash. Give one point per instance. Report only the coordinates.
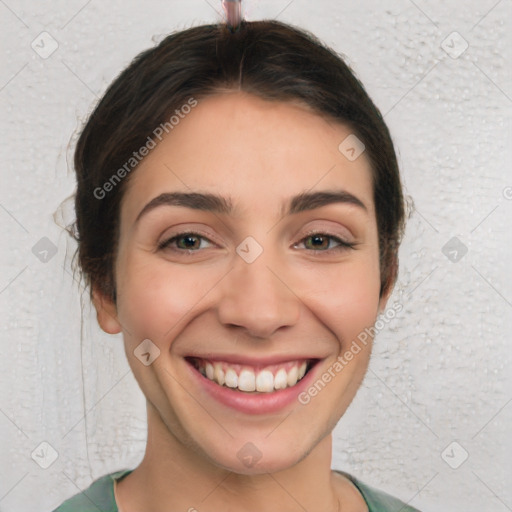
(343, 245)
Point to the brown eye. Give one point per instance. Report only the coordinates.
(183, 241)
(321, 242)
(190, 241)
(318, 242)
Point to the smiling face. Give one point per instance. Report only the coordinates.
(250, 290)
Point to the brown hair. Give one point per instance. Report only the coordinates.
(270, 59)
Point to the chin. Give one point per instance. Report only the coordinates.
(259, 457)
(274, 464)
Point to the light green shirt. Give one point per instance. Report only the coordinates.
(99, 497)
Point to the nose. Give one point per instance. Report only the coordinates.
(258, 298)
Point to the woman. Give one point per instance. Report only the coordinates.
(239, 212)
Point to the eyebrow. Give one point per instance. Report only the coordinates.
(222, 205)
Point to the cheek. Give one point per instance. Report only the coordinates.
(156, 298)
(344, 300)
(345, 297)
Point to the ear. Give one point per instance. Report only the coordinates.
(384, 300)
(388, 288)
(106, 311)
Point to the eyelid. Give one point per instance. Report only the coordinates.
(325, 231)
(192, 231)
(343, 244)
(336, 228)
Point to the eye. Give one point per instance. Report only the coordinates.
(321, 242)
(191, 242)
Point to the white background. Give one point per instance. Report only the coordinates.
(441, 369)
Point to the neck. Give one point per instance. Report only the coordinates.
(175, 476)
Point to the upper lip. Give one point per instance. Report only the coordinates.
(253, 361)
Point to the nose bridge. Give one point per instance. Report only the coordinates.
(255, 295)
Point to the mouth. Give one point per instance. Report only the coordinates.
(249, 379)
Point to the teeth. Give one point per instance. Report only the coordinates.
(293, 375)
(218, 374)
(231, 378)
(247, 381)
(302, 369)
(263, 381)
(280, 380)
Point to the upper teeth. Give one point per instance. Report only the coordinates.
(247, 379)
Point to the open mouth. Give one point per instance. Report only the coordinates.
(248, 379)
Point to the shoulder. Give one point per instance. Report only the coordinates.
(98, 497)
(377, 500)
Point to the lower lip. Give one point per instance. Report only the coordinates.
(253, 403)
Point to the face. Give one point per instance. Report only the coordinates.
(249, 291)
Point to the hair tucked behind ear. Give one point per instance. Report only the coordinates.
(270, 59)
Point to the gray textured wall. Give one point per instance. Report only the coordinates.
(440, 372)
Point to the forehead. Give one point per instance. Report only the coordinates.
(254, 151)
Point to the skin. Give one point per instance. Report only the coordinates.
(293, 299)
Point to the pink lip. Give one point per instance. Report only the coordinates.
(248, 403)
(255, 362)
